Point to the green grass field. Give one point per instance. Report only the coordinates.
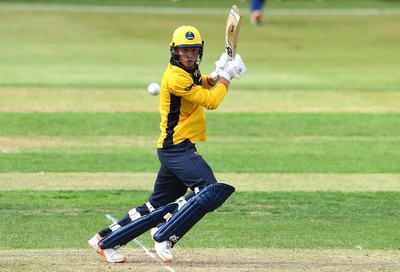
(310, 136)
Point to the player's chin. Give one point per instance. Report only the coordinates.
(189, 64)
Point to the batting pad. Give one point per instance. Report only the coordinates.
(129, 232)
(208, 200)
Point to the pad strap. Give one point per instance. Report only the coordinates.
(127, 233)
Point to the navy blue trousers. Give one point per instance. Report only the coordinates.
(181, 168)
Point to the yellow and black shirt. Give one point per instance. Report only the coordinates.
(184, 94)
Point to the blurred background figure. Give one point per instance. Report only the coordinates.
(256, 7)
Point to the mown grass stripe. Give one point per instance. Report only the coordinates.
(243, 182)
(239, 142)
(219, 123)
(138, 100)
(278, 157)
(312, 219)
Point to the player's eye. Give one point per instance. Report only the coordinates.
(193, 51)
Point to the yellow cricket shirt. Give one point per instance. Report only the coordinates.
(183, 98)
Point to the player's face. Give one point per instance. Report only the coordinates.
(188, 56)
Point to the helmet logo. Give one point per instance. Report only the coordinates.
(189, 35)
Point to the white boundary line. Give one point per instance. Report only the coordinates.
(139, 243)
(148, 253)
(200, 11)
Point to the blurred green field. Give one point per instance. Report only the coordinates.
(266, 142)
(294, 4)
(320, 102)
(83, 49)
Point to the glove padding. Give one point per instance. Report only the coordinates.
(219, 66)
(236, 68)
(233, 69)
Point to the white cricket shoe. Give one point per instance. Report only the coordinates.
(94, 243)
(112, 256)
(109, 254)
(163, 249)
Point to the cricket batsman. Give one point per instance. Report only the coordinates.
(184, 95)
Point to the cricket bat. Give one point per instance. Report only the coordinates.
(232, 31)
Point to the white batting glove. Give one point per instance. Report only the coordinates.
(236, 68)
(225, 74)
(219, 66)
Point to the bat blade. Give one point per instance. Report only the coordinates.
(233, 24)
